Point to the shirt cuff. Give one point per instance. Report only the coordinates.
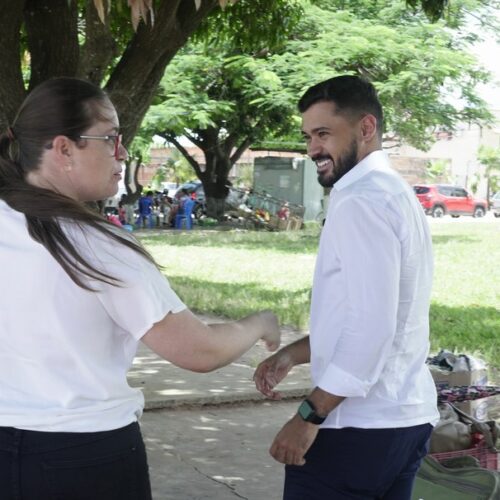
(341, 383)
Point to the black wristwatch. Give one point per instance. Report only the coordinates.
(308, 413)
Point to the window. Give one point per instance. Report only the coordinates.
(460, 193)
(421, 189)
(445, 190)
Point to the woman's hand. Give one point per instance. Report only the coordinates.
(271, 330)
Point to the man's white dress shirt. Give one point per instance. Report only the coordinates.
(369, 330)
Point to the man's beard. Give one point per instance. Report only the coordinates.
(341, 166)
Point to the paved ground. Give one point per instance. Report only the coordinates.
(208, 435)
(215, 452)
(166, 386)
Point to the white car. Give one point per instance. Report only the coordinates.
(495, 204)
(169, 188)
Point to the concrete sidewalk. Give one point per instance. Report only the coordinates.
(166, 386)
(201, 447)
(215, 452)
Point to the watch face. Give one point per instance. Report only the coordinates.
(308, 413)
(305, 410)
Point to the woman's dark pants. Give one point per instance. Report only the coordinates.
(108, 465)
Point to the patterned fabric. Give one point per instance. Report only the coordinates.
(461, 393)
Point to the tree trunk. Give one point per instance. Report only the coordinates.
(136, 77)
(11, 79)
(215, 182)
(52, 34)
(215, 208)
(99, 48)
(52, 37)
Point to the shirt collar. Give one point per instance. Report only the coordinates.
(376, 159)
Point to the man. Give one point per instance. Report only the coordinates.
(363, 430)
(145, 210)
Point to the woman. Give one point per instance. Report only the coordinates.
(77, 295)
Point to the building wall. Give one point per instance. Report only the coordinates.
(460, 149)
(158, 156)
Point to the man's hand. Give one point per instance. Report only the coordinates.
(271, 372)
(293, 441)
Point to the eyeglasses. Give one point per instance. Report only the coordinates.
(117, 140)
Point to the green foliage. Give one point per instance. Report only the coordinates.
(159, 177)
(457, 12)
(240, 272)
(424, 76)
(439, 170)
(222, 102)
(474, 182)
(178, 169)
(415, 66)
(490, 158)
(139, 148)
(251, 26)
(433, 8)
(211, 96)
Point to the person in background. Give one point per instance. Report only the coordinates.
(184, 197)
(166, 209)
(284, 211)
(146, 210)
(363, 430)
(122, 212)
(68, 418)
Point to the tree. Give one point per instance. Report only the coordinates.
(220, 105)
(40, 39)
(48, 38)
(490, 158)
(417, 67)
(224, 98)
(438, 170)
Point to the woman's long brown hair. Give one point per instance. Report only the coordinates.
(61, 106)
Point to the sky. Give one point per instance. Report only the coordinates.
(488, 53)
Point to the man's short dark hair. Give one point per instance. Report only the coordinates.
(352, 95)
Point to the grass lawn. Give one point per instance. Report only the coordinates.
(232, 273)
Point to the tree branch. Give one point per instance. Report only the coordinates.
(136, 77)
(230, 143)
(171, 138)
(194, 140)
(240, 150)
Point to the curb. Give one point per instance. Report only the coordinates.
(221, 400)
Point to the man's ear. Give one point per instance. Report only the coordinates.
(368, 127)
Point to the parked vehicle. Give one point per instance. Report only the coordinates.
(111, 204)
(169, 188)
(495, 204)
(441, 199)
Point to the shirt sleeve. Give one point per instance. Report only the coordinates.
(142, 296)
(369, 251)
